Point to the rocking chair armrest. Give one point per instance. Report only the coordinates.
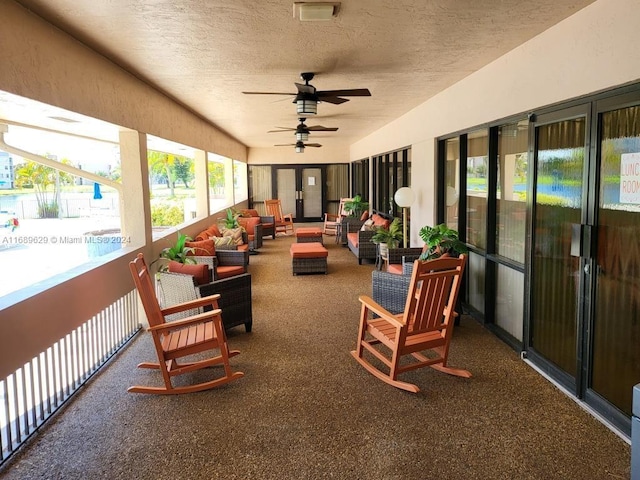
(198, 302)
(199, 318)
(379, 310)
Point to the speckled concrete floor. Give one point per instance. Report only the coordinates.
(306, 410)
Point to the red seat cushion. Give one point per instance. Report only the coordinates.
(352, 238)
(226, 271)
(199, 271)
(395, 268)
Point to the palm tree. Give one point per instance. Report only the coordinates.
(41, 177)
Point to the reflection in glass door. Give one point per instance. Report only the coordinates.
(615, 355)
(559, 156)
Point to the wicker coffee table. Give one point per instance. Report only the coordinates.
(308, 257)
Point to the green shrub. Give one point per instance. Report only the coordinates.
(165, 215)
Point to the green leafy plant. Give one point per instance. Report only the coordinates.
(356, 206)
(441, 240)
(231, 220)
(179, 252)
(392, 236)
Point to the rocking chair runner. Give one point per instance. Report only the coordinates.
(283, 223)
(180, 338)
(425, 325)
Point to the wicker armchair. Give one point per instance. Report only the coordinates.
(348, 224)
(390, 290)
(364, 248)
(397, 258)
(225, 258)
(235, 296)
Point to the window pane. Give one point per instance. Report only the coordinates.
(172, 182)
(240, 192)
(477, 187)
(452, 181)
(337, 185)
(616, 326)
(510, 300)
(219, 196)
(512, 188)
(260, 181)
(52, 215)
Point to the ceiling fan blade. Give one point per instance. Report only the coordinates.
(320, 128)
(282, 129)
(285, 145)
(355, 92)
(334, 100)
(268, 93)
(312, 145)
(305, 88)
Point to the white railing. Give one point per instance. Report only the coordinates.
(33, 392)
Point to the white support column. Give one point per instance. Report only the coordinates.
(202, 183)
(135, 209)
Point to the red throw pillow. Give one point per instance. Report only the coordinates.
(212, 231)
(204, 248)
(199, 271)
(365, 216)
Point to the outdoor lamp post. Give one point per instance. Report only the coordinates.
(404, 198)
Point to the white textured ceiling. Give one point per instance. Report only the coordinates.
(205, 53)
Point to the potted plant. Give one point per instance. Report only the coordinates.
(356, 206)
(441, 240)
(178, 252)
(231, 219)
(388, 237)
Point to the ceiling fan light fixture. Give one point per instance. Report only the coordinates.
(302, 136)
(307, 106)
(300, 148)
(315, 11)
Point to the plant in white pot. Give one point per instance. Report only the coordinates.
(388, 237)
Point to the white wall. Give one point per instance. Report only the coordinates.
(593, 50)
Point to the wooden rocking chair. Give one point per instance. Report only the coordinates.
(332, 221)
(180, 338)
(283, 223)
(425, 325)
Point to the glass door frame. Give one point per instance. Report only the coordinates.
(299, 190)
(591, 397)
(583, 315)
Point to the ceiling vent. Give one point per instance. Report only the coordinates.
(315, 11)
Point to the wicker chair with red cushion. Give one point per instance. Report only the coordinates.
(359, 241)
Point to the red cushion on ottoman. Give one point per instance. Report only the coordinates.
(308, 232)
(308, 250)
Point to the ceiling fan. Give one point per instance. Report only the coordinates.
(308, 97)
(300, 146)
(302, 131)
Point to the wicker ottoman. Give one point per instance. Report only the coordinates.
(308, 235)
(308, 257)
